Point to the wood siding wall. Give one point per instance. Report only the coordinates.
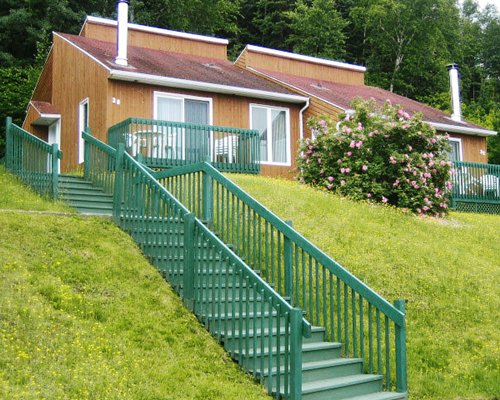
(472, 147)
(43, 89)
(157, 42)
(77, 77)
(300, 68)
(136, 100)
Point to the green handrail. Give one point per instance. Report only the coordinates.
(163, 144)
(352, 312)
(475, 182)
(35, 162)
(202, 269)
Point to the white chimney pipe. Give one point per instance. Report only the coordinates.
(122, 33)
(455, 93)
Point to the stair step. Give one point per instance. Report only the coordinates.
(342, 388)
(381, 396)
(310, 351)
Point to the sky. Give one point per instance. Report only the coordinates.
(482, 3)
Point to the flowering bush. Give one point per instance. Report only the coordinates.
(381, 155)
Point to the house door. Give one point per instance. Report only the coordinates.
(188, 143)
(197, 142)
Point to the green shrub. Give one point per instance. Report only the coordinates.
(380, 155)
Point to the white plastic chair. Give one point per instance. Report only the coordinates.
(490, 183)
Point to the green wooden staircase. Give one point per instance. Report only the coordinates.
(291, 316)
(84, 196)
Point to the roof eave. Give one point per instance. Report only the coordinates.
(461, 129)
(203, 86)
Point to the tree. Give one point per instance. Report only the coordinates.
(317, 29)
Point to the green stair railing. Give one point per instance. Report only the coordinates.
(476, 187)
(165, 144)
(368, 326)
(34, 161)
(212, 280)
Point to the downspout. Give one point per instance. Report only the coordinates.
(301, 118)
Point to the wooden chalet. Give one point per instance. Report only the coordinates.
(120, 80)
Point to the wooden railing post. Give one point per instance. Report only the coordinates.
(288, 266)
(8, 142)
(87, 168)
(188, 273)
(118, 190)
(55, 170)
(401, 384)
(296, 354)
(208, 200)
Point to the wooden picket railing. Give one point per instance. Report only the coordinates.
(166, 144)
(476, 187)
(34, 161)
(368, 326)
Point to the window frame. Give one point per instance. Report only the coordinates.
(183, 97)
(269, 110)
(460, 147)
(81, 127)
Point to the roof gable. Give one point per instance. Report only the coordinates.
(156, 38)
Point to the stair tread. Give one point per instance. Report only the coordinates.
(312, 346)
(312, 365)
(381, 396)
(333, 383)
(250, 332)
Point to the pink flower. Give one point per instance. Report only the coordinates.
(349, 153)
(433, 140)
(425, 208)
(339, 161)
(330, 178)
(410, 148)
(347, 118)
(342, 170)
(329, 186)
(348, 130)
(370, 134)
(353, 144)
(322, 123)
(359, 144)
(384, 199)
(360, 126)
(364, 168)
(342, 182)
(347, 170)
(369, 195)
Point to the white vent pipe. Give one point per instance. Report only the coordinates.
(122, 33)
(455, 93)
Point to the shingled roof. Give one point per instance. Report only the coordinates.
(175, 65)
(341, 95)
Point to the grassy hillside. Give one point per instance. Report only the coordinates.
(448, 271)
(84, 316)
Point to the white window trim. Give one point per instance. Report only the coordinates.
(81, 127)
(269, 128)
(183, 97)
(460, 148)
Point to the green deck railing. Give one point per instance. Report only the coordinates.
(476, 187)
(34, 161)
(164, 144)
(202, 269)
(368, 326)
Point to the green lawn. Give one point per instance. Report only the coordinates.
(84, 316)
(448, 271)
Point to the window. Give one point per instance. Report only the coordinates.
(83, 123)
(273, 124)
(456, 149)
(182, 143)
